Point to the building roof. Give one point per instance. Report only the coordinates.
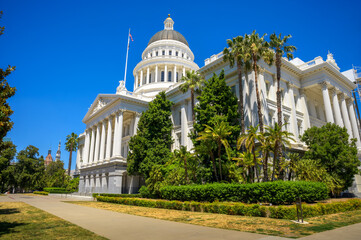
(168, 34)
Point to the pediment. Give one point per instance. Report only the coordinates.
(99, 103)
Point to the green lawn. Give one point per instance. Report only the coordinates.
(21, 221)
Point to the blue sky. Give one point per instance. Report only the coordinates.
(67, 52)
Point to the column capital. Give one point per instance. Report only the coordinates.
(324, 84)
(303, 91)
(341, 96)
(137, 114)
(333, 91)
(349, 101)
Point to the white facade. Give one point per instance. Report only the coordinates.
(313, 93)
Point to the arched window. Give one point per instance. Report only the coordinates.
(170, 52)
(169, 76)
(163, 52)
(156, 53)
(176, 53)
(162, 76)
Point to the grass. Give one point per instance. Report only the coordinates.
(21, 221)
(276, 227)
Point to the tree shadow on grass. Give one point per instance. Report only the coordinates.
(8, 227)
(9, 211)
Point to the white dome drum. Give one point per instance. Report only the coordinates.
(164, 61)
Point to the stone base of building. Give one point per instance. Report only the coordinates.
(110, 177)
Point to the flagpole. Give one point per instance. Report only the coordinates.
(126, 61)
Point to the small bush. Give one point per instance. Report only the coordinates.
(279, 192)
(145, 192)
(117, 195)
(41, 192)
(57, 190)
(255, 210)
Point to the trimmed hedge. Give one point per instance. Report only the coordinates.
(255, 210)
(41, 192)
(278, 192)
(117, 195)
(57, 190)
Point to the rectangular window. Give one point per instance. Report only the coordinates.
(170, 53)
(177, 76)
(163, 52)
(233, 89)
(267, 88)
(176, 53)
(169, 76)
(162, 76)
(151, 55)
(182, 54)
(180, 118)
(156, 53)
(150, 77)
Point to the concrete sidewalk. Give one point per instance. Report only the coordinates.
(115, 225)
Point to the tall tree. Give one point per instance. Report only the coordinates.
(216, 99)
(71, 145)
(183, 155)
(7, 154)
(281, 47)
(5, 92)
(238, 53)
(219, 133)
(331, 145)
(151, 145)
(192, 80)
(259, 49)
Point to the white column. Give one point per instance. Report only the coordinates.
(184, 71)
(327, 102)
(102, 141)
(156, 73)
(97, 141)
(91, 155)
(77, 162)
(86, 147)
(346, 119)
(119, 134)
(137, 117)
(173, 133)
(351, 112)
(115, 137)
(141, 77)
(336, 108)
(136, 81)
(148, 75)
(175, 74)
(184, 125)
(306, 118)
(293, 111)
(165, 74)
(109, 138)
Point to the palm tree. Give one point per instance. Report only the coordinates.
(245, 160)
(281, 47)
(266, 147)
(219, 134)
(249, 140)
(207, 148)
(281, 139)
(71, 145)
(192, 80)
(259, 49)
(184, 155)
(237, 53)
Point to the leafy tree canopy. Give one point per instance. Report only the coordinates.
(330, 145)
(151, 145)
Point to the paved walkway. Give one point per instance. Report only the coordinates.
(115, 225)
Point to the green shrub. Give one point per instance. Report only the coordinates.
(117, 195)
(279, 192)
(145, 192)
(41, 192)
(57, 190)
(290, 212)
(255, 210)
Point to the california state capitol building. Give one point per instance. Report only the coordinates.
(313, 93)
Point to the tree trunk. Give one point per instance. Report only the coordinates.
(214, 166)
(220, 160)
(241, 105)
(192, 103)
(265, 167)
(260, 117)
(70, 156)
(279, 103)
(275, 153)
(185, 169)
(255, 164)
